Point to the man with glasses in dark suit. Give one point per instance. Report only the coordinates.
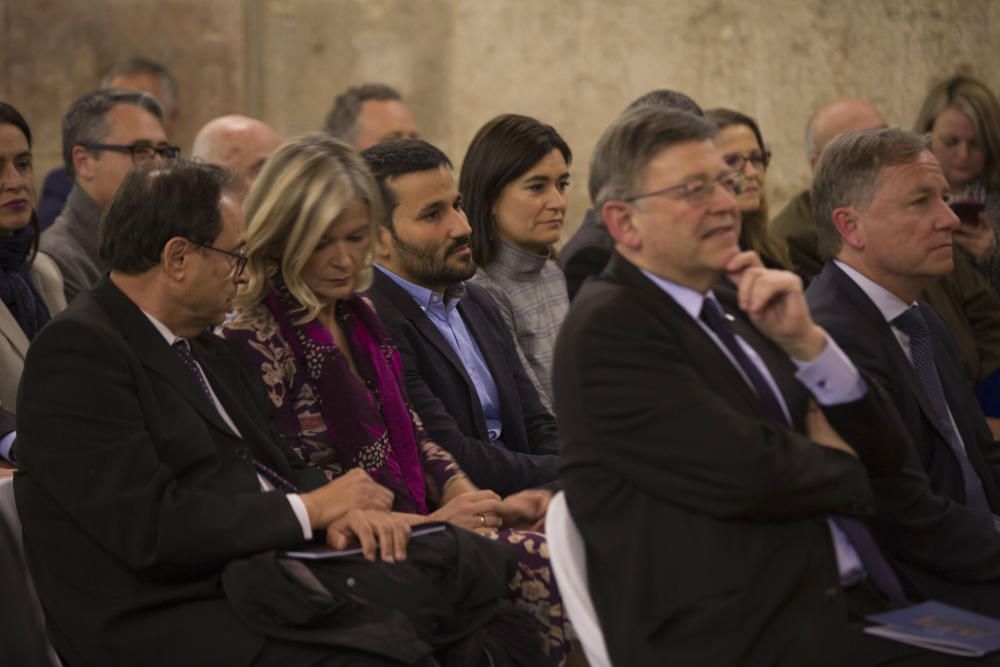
(715, 439)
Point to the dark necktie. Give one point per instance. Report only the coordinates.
(183, 350)
(876, 566)
(712, 315)
(912, 323)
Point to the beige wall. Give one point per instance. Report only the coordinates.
(572, 63)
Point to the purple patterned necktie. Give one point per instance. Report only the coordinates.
(183, 350)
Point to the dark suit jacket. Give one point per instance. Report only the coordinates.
(963, 299)
(55, 191)
(703, 521)
(944, 551)
(134, 494)
(586, 253)
(446, 400)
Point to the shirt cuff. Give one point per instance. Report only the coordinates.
(831, 377)
(301, 514)
(6, 443)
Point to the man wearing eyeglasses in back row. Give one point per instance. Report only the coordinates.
(104, 133)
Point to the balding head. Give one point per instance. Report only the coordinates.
(836, 117)
(238, 143)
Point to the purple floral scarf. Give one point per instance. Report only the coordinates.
(368, 419)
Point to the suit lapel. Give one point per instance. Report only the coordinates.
(12, 331)
(703, 347)
(405, 304)
(874, 318)
(153, 351)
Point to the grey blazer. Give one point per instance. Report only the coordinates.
(72, 242)
(13, 342)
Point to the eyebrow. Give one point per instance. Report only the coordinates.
(431, 207)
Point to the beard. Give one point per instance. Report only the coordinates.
(430, 268)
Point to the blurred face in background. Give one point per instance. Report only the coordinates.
(958, 147)
(17, 188)
(742, 153)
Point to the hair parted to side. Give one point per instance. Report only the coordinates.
(631, 142)
(157, 201)
(755, 232)
(85, 122)
(306, 185)
(502, 151)
(974, 99)
(848, 174)
(11, 116)
(138, 65)
(392, 159)
(666, 99)
(342, 119)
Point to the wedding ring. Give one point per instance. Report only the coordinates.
(482, 519)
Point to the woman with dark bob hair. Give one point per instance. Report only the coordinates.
(513, 183)
(30, 284)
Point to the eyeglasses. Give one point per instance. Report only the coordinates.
(738, 161)
(700, 193)
(141, 151)
(240, 258)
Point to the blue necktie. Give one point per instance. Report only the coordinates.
(879, 570)
(912, 323)
(183, 350)
(712, 315)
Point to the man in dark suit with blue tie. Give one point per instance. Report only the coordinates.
(880, 205)
(715, 439)
(463, 374)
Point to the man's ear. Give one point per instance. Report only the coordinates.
(846, 221)
(383, 245)
(83, 163)
(175, 257)
(619, 217)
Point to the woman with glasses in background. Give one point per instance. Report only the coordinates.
(333, 374)
(31, 289)
(743, 150)
(513, 184)
(962, 117)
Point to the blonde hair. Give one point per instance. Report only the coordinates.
(304, 186)
(973, 98)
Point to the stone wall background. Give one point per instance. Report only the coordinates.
(572, 63)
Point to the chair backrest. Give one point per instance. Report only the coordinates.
(8, 514)
(569, 564)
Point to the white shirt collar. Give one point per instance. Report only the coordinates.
(688, 299)
(167, 334)
(890, 305)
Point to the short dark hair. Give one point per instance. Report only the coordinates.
(137, 65)
(11, 116)
(502, 150)
(86, 120)
(342, 120)
(392, 159)
(629, 144)
(667, 99)
(156, 202)
(849, 173)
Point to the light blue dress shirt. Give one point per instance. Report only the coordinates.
(831, 378)
(443, 313)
